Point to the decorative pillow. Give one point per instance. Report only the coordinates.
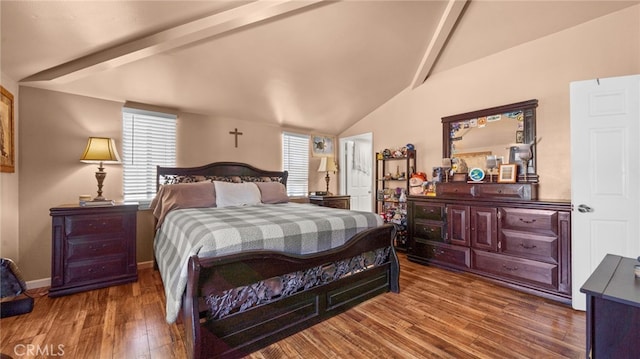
(273, 192)
(182, 195)
(236, 194)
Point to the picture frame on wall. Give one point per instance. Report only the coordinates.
(7, 132)
(507, 173)
(322, 146)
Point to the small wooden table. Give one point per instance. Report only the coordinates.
(613, 309)
(342, 202)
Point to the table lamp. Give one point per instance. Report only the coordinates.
(100, 150)
(327, 164)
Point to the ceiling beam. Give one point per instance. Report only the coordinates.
(450, 16)
(172, 38)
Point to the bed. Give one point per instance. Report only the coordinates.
(237, 292)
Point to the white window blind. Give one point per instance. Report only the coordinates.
(295, 159)
(148, 140)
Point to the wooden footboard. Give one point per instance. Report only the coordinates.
(236, 304)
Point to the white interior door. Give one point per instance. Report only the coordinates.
(605, 170)
(356, 179)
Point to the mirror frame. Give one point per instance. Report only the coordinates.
(529, 111)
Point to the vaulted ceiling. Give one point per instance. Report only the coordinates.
(312, 65)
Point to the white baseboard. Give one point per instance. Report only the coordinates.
(39, 283)
(144, 265)
(46, 282)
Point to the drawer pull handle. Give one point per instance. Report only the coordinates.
(527, 246)
(527, 222)
(511, 269)
(437, 252)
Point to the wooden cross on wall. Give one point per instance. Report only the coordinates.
(236, 133)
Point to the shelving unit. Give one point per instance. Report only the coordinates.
(392, 180)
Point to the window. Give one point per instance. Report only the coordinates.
(148, 140)
(295, 159)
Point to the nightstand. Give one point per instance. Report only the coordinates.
(342, 202)
(92, 247)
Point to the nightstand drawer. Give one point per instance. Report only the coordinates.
(340, 202)
(83, 248)
(336, 204)
(79, 272)
(92, 224)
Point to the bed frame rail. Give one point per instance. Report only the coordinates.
(241, 333)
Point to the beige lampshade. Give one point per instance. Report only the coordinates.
(327, 164)
(100, 149)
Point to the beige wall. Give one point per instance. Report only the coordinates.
(9, 244)
(541, 69)
(54, 130)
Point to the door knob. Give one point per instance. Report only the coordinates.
(583, 208)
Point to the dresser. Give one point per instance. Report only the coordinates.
(92, 247)
(342, 202)
(524, 244)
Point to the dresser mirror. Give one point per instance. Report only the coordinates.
(498, 134)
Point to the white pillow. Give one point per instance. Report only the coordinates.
(236, 194)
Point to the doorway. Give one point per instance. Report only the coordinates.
(356, 157)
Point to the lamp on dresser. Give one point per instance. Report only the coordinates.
(327, 164)
(100, 150)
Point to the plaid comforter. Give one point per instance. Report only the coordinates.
(293, 228)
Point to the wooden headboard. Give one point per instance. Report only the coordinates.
(219, 169)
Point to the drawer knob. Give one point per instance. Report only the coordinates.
(525, 246)
(527, 222)
(510, 269)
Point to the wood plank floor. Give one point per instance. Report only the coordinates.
(438, 314)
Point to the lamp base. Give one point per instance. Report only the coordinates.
(327, 178)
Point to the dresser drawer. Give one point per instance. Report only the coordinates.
(92, 224)
(451, 189)
(533, 220)
(80, 272)
(428, 230)
(530, 245)
(432, 212)
(442, 253)
(516, 190)
(87, 248)
(524, 270)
